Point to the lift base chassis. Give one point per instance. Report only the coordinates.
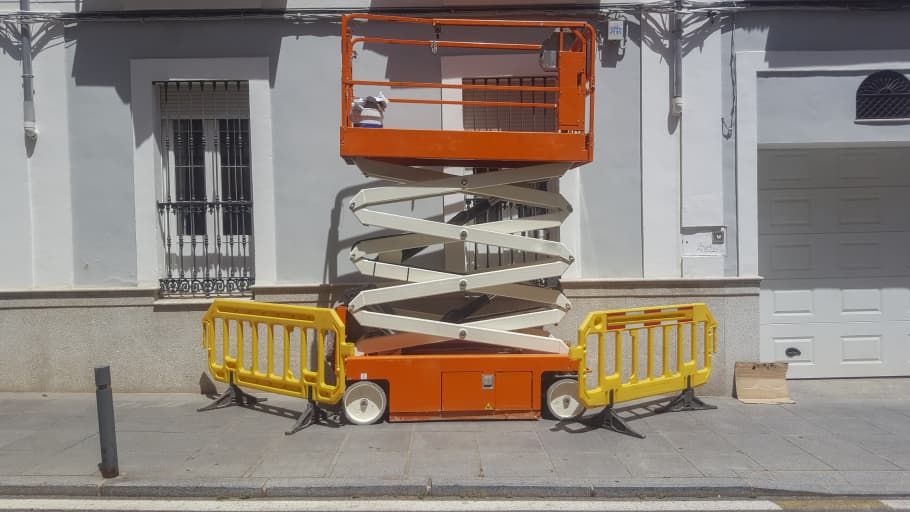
(449, 387)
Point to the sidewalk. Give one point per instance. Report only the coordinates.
(847, 437)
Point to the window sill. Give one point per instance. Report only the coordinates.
(903, 120)
(189, 303)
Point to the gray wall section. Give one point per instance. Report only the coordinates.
(824, 104)
(313, 185)
(16, 271)
(610, 195)
(101, 141)
(807, 31)
(156, 348)
(728, 146)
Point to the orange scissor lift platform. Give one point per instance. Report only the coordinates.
(432, 371)
(467, 340)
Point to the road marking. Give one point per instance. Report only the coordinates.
(897, 504)
(365, 505)
(832, 504)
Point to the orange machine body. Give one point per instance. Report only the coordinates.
(448, 386)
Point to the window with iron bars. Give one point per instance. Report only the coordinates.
(498, 118)
(883, 95)
(206, 203)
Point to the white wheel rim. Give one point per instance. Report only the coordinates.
(364, 403)
(562, 400)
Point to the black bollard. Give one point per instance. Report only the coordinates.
(104, 398)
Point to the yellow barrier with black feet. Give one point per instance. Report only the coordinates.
(642, 352)
(291, 350)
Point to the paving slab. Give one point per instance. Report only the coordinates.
(839, 438)
(840, 454)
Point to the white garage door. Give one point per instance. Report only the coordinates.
(834, 242)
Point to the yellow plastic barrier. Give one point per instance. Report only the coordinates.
(679, 339)
(277, 348)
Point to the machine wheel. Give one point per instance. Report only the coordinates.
(562, 400)
(364, 402)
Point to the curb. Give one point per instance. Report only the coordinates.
(319, 488)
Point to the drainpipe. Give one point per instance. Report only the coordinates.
(676, 109)
(28, 87)
(676, 28)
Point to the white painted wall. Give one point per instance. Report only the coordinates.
(702, 166)
(51, 194)
(660, 158)
(824, 102)
(15, 197)
(83, 173)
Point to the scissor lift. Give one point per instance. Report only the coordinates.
(484, 355)
(440, 342)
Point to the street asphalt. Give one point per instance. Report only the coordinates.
(841, 438)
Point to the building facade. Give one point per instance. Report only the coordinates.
(756, 159)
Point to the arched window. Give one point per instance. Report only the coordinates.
(883, 95)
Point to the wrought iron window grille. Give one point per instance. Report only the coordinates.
(883, 95)
(206, 206)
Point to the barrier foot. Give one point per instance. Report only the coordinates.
(686, 401)
(609, 419)
(309, 416)
(233, 395)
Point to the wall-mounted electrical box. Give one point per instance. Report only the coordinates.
(616, 30)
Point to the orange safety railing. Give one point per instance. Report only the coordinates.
(571, 44)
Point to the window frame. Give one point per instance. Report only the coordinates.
(198, 158)
(146, 127)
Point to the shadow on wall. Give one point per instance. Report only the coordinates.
(832, 33)
(336, 246)
(44, 37)
(103, 50)
(658, 35)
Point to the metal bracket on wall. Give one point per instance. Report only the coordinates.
(233, 395)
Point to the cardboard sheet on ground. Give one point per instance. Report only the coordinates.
(762, 383)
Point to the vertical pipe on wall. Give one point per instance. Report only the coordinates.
(676, 29)
(28, 88)
(676, 102)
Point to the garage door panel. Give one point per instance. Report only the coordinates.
(870, 209)
(834, 249)
(871, 167)
(896, 298)
(785, 169)
(833, 167)
(812, 342)
(835, 300)
(833, 255)
(824, 350)
(864, 304)
(833, 210)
